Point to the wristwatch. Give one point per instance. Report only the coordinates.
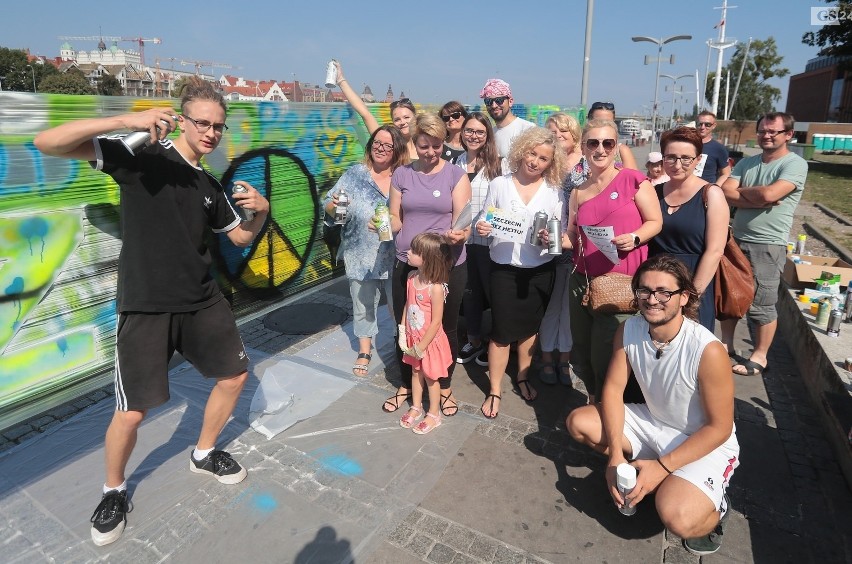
(636, 240)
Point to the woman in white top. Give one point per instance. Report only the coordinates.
(521, 272)
(481, 162)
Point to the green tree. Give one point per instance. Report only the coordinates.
(834, 40)
(14, 74)
(179, 85)
(71, 82)
(754, 96)
(108, 85)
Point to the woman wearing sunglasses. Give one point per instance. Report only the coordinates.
(623, 201)
(606, 110)
(429, 195)
(695, 225)
(453, 115)
(402, 111)
(482, 164)
(521, 272)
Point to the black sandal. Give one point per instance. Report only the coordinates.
(454, 406)
(490, 406)
(529, 390)
(394, 402)
(364, 368)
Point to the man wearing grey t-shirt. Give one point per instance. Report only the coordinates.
(765, 189)
(497, 98)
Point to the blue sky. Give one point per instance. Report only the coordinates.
(433, 52)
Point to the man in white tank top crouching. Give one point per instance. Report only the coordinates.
(683, 441)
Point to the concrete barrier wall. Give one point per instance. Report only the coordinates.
(59, 231)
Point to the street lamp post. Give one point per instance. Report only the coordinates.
(659, 43)
(674, 91)
(34, 84)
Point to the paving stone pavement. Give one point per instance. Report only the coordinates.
(517, 490)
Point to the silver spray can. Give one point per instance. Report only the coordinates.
(331, 75)
(137, 140)
(625, 481)
(246, 215)
(847, 306)
(539, 223)
(834, 323)
(554, 237)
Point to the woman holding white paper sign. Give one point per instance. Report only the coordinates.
(429, 195)
(617, 201)
(521, 272)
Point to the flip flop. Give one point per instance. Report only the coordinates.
(425, 426)
(529, 390)
(751, 368)
(362, 368)
(453, 407)
(490, 406)
(394, 402)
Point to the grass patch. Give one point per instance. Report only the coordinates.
(830, 182)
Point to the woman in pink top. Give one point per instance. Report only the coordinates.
(624, 201)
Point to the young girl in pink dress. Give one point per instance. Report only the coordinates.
(422, 338)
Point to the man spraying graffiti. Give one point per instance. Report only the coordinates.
(167, 299)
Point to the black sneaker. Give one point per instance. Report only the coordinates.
(109, 517)
(482, 359)
(469, 352)
(712, 542)
(220, 465)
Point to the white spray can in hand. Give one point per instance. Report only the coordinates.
(625, 481)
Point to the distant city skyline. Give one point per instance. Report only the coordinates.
(432, 55)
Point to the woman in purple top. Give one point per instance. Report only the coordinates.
(429, 195)
(624, 201)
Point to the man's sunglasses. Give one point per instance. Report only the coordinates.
(603, 106)
(496, 100)
(593, 144)
(705, 124)
(454, 115)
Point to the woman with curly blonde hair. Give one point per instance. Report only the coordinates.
(521, 272)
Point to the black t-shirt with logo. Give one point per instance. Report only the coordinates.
(167, 205)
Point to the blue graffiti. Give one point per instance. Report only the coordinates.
(34, 227)
(264, 502)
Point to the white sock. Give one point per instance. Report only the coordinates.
(199, 455)
(121, 488)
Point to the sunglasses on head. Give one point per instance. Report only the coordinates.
(401, 102)
(593, 144)
(496, 100)
(602, 106)
(448, 117)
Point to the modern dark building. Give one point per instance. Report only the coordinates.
(823, 93)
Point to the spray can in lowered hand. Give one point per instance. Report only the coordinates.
(625, 481)
(381, 220)
(539, 223)
(554, 237)
(245, 214)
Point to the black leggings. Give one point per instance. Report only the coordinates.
(450, 320)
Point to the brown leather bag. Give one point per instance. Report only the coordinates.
(734, 282)
(610, 293)
(734, 286)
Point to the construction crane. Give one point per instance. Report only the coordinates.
(140, 41)
(211, 64)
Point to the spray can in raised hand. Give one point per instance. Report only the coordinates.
(381, 219)
(331, 75)
(245, 214)
(625, 481)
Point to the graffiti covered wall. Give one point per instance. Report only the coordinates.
(59, 241)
